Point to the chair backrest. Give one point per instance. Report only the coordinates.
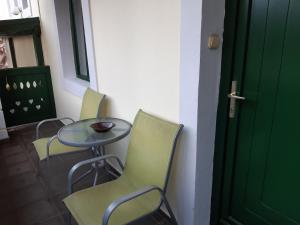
(91, 104)
(150, 151)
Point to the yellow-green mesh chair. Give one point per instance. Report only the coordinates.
(47, 147)
(141, 188)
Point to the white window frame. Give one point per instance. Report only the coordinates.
(70, 81)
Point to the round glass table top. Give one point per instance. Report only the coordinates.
(80, 134)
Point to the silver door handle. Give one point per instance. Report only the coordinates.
(234, 96)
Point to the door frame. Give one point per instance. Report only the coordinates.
(235, 38)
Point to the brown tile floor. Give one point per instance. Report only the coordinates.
(31, 192)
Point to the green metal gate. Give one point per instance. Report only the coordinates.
(26, 95)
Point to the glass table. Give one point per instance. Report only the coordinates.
(80, 134)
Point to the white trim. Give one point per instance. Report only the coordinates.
(69, 80)
(190, 40)
(75, 85)
(89, 43)
(199, 91)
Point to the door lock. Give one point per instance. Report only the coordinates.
(233, 98)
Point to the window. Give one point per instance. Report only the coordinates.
(78, 38)
(19, 8)
(70, 80)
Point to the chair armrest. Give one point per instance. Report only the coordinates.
(87, 162)
(48, 146)
(50, 120)
(115, 204)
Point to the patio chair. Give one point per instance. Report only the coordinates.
(47, 146)
(141, 188)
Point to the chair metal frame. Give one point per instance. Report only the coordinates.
(115, 204)
(51, 139)
(50, 120)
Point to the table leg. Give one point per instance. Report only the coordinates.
(96, 177)
(106, 165)
(94, 167)
(100, 151)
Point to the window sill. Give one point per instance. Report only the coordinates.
(75, 86)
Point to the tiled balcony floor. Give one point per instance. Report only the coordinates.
(31, 199)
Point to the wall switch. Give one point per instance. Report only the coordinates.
(213, 41)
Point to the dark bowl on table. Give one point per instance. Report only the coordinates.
(102, 126)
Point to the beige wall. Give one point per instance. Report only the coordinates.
(137, 55)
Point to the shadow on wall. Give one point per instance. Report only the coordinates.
(105, 106)
(178, 187)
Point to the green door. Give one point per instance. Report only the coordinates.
(261, 179)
